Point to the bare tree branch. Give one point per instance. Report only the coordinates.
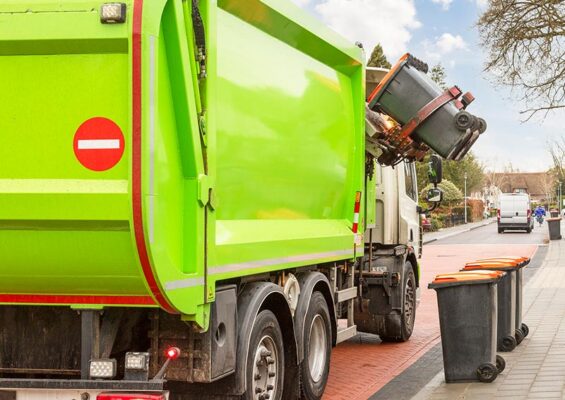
(525, 40)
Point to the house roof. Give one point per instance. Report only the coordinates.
(535, 183)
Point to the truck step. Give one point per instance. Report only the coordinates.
(346, 333)
(346, 294)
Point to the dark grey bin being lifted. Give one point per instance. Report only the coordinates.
(467, 305)
(554, 225)
(407, 89)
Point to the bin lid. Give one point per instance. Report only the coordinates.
(489, 272)
(521, 261)
(492, 265)
(465, 278)
(553, 219)
(375, 96)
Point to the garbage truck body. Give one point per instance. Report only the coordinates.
(187, 207)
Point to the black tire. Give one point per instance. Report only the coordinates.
(266, 337)
(408, 315)
(482, 125)
(525, 329)
(519, 335)
(464, 120)
(487, 372)
(500, 363)
(500, 230)
(507, 344)
(529, 230)
(315, 368)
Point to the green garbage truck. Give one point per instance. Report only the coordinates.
(199, 199)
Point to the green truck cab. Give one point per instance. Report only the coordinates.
(186, 198)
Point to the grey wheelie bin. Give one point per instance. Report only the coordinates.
(407, 89)
(467, 305)
(507, 334)
(554, 225)
(521, 262)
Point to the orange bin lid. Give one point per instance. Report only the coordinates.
(492, 265)
(465, 276)
(516, 259)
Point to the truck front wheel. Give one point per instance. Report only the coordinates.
(265, 360)
(317, 348)
(408, 314)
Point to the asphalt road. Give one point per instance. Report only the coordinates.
(489, 235)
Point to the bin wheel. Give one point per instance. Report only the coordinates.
(508, 343)
(403, 331)
(482, 125)
(519, 335)
(487, 372)
(500, 363)
(525, 329)
(464, 120)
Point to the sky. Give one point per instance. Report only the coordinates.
(444, 31)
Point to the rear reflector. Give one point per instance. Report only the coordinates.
(131, 396)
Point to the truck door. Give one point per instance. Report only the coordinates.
(409, 226)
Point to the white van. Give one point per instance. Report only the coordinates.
(515, 212)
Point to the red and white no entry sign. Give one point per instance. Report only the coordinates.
(99, 144)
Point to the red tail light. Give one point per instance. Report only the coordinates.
(498, 215)
(131, 396)
(529, 215)
(172, 353)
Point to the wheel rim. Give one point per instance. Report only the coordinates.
(409, 295)
(265, 369)
(317, 348)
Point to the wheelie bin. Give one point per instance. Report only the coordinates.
(522, 262)
(407, 89)
(507, 334)
(467, 305)
(554, 225)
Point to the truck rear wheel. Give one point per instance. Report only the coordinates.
(265, 360)
(317, 348)
(408, 314)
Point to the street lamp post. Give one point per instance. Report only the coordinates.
(465, 198)
(560, 199)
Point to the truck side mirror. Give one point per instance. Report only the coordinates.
(435, 195)
(435, 169)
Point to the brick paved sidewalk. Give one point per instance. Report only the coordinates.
(536, 368)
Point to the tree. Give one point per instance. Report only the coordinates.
(526, 50)
(454, 171)
(422, 170)
(451, 194)
(437, 74)
(556, 148)
(378, 58)
(548, 186)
